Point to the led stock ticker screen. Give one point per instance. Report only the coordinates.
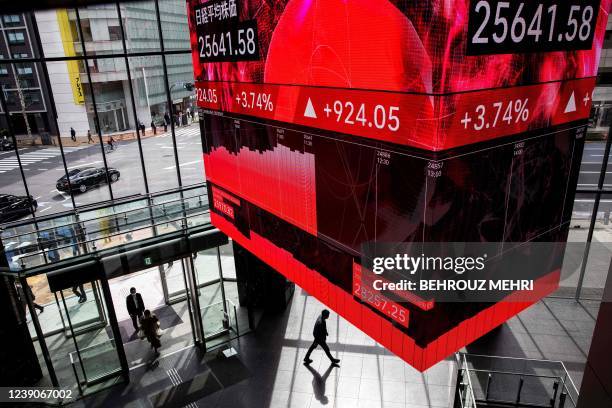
(502, 27)
(383, 121)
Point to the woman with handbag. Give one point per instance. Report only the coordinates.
(151, 330)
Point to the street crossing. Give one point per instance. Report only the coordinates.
(30, 157)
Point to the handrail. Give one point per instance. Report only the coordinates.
(469, 381)
(53, 245)
(563, 375)
(147, 206)
(105, 216)
(183, 216)
(46, 250)
(574, 389)
(512, 358)
(512, 373)
(106, 204)
(115, 216)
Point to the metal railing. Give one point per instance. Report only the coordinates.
(517, 382)
(80, 233)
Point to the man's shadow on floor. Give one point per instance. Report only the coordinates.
(318, 382)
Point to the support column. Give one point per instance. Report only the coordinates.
(259, 285)
(596, 388)
(19, 364)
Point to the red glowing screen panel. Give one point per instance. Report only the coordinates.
(390, 71)
(331, 124)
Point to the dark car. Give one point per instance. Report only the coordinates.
(6, 144)
(86, 178)
(14, 207)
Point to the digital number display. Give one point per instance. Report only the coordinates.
(396, 312)
(508, 27)
(378, 116)
(512, 112)
(228, 42)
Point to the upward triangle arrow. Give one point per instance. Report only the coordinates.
(309, 112)
(571, 104)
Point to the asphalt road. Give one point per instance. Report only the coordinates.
(43, 167)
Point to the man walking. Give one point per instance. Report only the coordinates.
(135, 307)
(33, 297)
(320, 336)
(73, 134)
(89, 138)
(166, 121)
(81, 294)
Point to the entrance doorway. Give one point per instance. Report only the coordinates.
(195, 299)
(88, 333)
(174, 318)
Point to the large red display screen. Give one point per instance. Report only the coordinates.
(390, 70)
(394, 121)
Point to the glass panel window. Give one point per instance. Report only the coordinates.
(114, 107)
(175, 27)
(114, 33)
(140, 24)
(188, 137)
(101, 31)
(16, 37)
(25, 70)
(11, 19)
(154, 117)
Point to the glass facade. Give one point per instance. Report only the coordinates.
(109, 88)
(97, 88)
(97, 110)
(105, 93)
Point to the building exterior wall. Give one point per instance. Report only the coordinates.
(69, 112)
(23, 84)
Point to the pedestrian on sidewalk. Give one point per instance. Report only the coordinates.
(153, 127)
(79, 291)
(73, 134)
(320, 338)
(89, 138)
(31, 294)
(166, 121)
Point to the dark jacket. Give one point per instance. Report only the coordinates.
(149, 327)
(320, 329)
(134, 308)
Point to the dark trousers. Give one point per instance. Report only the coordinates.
(135, 320)
(324, 346)
(81, 294)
